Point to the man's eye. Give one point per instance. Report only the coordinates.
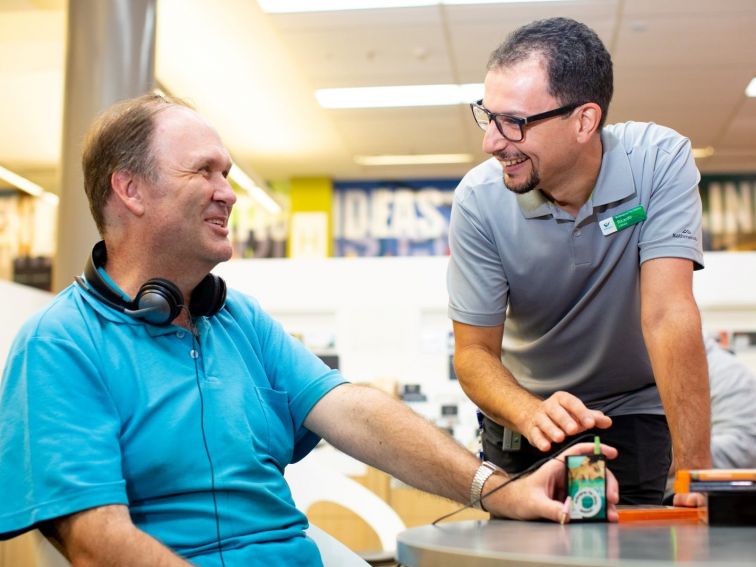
(508, 121)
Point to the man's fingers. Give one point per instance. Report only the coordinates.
(690, 500)
(561, 419)
(548, 428)
(560, 416)
(539, 440)
(572, 414)
(600, 420)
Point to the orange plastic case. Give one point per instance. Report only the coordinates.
(672, 514)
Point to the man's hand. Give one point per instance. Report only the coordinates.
(541, 494)
(689, 500)
(559, 416)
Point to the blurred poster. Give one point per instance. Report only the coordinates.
(392, 218)
(27, 238)
(729, 204)
(255, 232)
(309, 235)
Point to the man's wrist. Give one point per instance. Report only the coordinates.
(484, 472)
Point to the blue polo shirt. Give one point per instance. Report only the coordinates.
(568, 290)
(97, 408)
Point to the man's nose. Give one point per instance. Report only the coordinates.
(226, 193)
(493, 141)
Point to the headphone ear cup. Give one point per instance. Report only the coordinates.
(162, 299)
(208, 297)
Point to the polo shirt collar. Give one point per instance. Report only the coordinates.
(611, 185)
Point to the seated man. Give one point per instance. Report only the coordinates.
(155, 430)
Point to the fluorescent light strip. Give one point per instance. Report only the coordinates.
(27, 186)
(398, 96)
(751, 88)
(291, 6)
(409, 159)
(256, 192)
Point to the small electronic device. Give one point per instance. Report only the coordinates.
(586, 486)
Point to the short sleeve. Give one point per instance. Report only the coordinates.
(673, 227)
(293, 369)
(59, 450)
(478, 288)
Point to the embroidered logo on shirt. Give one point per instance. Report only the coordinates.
(684, 233)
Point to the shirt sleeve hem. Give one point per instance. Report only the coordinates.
(477, 319)
(668, 251)
(19, 522)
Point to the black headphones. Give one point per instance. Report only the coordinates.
(158, 301)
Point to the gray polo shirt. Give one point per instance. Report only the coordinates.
(570, 294)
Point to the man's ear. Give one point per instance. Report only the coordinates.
(589, 118)
(128, 189)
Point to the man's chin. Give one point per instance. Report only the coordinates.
(221, 254)
(519, 189)
(225, 256)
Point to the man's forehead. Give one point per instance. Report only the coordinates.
(175, 119)
(531, 67)
(516, 86)
(181, 128)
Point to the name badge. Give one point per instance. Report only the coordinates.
(622, 220)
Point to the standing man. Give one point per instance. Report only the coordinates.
(147, 416)
(583, 239)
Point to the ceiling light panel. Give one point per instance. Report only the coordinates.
(412, 159)
(294, 6)
(398, 96)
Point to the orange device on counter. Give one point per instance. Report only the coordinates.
(715, 480)
(670, 514)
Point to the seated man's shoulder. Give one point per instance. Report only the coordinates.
(65, 316)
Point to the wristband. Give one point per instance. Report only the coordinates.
(485, 470)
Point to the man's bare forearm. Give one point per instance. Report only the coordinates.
(675, 346)
(106, 537)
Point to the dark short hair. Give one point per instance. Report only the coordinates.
(578, 65)
(120, 139)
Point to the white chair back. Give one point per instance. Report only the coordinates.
(311, 482)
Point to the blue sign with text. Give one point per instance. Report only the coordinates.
(407, 218)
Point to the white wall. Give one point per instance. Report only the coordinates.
(18, 303)
(726, 294)
(386, 318)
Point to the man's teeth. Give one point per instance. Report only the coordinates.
(508, 162)
(216, 221)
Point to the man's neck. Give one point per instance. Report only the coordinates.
(130, 270)
(575, 188)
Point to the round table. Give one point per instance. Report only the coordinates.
(478, 543)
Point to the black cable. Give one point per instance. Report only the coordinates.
(195, 346)
(519, 475)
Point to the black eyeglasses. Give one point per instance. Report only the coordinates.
(513, 127)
